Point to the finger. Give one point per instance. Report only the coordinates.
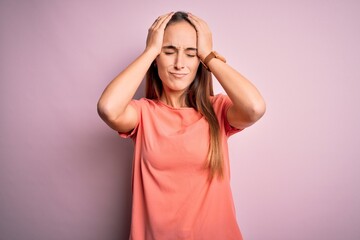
(195, 22)
(195, 18)
(198, 22)
(163, 20)
(157, 20)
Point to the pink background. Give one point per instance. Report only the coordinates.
(64, 175)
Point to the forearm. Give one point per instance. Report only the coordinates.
(248, 104)
(122, 88)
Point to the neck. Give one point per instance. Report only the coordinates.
(176, 100)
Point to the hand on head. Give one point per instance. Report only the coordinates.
(204, 36)
(156, 33)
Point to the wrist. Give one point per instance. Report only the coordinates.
(213, 54)
(151, 52)
(204, 55)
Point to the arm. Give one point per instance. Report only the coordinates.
(113, 105)
(248, 104)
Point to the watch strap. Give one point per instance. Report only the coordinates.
(210, 56)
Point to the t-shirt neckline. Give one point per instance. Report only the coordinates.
(173, 108)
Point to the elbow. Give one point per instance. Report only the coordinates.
(101, 110)
(105, 112)
(252, 113)
(257, 111)
(246, 116)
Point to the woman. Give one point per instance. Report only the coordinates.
(181, 183)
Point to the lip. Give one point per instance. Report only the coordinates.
(178, 75)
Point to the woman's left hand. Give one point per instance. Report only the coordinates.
(204, 36)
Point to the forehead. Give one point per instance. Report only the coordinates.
(180, 35)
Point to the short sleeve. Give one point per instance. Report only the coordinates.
(136, 104)
(221, 104)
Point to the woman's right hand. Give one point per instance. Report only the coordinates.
(155, 36)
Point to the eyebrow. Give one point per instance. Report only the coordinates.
(171, 47)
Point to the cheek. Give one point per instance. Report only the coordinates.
(161, 65)
(163, 60)
(162, 72)
(196, 65)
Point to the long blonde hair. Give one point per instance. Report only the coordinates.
(197, 97)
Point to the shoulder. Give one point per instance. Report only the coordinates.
(220, 101)
(221, 104)
(144, 103)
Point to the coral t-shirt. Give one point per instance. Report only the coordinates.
(172, 195)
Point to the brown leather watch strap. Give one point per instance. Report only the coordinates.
(210, 56)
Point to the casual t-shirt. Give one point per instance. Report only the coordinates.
(172, 195)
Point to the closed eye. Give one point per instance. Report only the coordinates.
(191, 52)
(169, 50)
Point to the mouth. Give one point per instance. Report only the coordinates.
(178, 75)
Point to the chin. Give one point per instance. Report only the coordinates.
(177, 87)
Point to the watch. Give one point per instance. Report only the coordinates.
(210, 56)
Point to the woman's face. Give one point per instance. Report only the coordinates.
(178, 62)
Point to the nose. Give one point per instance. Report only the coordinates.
(179, 61)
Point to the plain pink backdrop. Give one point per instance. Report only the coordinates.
(64, 175)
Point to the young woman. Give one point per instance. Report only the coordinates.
(181, 184)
